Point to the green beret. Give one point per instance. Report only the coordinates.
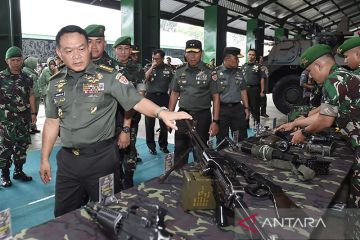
(95, 30)
(125, 40)
(313, 53)
(13, 52)
(348, 44)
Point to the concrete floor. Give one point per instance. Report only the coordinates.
(271, 111)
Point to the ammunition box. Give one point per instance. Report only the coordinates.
(197, 192)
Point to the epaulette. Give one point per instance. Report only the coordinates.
(106, 68)
(180, 66)
(53, 76)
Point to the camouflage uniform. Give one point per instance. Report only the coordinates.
(15, 90)
(135, 75)
(29, 69)
(341, 100)
(45, 78)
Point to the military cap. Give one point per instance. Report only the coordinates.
(348, 44)
(13, 52)
(233, 51)
(135, 49)
(193, 46)
(125, 40)
(95, 30)
(313, 53)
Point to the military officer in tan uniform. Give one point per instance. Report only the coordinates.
(81, 103)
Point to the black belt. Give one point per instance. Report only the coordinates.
(253, 85)
(193, 112)
(90, 148)
(229, 104)
(158, 93)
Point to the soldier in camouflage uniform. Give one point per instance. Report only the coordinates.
(340, 103)
(30, 64)
(350, 50)
(197, 87)
(135, 74)
(46, 74)
(233, 97)
(17, 104)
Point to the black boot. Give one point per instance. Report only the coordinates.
(20, 175)
(5, 178)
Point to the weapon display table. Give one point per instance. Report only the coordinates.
(314, 196)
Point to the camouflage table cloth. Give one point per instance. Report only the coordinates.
(314, 197)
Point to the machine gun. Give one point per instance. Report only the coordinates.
(138, 223)
(228, 190)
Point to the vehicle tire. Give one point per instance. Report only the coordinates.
(287, 93)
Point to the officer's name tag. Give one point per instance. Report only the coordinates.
(106, 187)
(5, 225)
(60, 94)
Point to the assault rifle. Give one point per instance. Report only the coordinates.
(228, 190)
(138, 223)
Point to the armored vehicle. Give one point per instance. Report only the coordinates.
(284, 69)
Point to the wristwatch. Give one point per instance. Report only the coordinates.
(125, 129)
(159, 110)
(216, 121)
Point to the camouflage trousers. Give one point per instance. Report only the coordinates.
(14, 141)
(353, 213)
(130, 158)
(298, 111)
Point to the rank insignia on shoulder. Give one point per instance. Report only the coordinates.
(106, 68)
(180, 66)
(121, 78)
(53, 76)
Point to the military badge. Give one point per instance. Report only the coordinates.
(121, 78)
(90, 88)
(99, 76)
(101, 87)
(60, 84)
(60, 94)
(304, 61)
(214, 76)
(60, 113)
(93, 109)
(201, 76)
